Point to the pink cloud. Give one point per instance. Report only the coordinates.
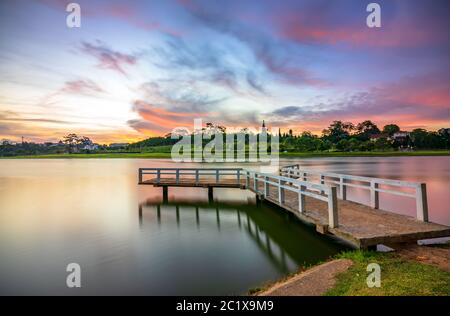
(81, 86)
(108, 58)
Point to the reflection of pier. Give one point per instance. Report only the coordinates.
(316, 201)
(283, 247)
(243, 219)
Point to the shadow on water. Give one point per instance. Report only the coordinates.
(285, 243)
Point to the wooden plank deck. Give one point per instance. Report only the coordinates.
(359, 225)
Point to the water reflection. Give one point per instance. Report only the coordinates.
(53, 212)
(284, 242)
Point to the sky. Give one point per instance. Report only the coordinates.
(136, 69)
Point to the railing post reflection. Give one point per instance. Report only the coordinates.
(259, 235)
(158, 214)
(197, 217)
(218, 218)
(239, 219)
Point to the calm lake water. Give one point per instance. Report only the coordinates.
(92, 212)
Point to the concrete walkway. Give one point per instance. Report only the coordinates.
(313, 282)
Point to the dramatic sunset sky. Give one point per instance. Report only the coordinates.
(141, 68)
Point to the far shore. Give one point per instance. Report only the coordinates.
(282, 155)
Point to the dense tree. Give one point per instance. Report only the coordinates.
(419, 137)
(391, 129)
(366, 129)
(338, 131)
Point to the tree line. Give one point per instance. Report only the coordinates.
(365, 136)
(338, 136)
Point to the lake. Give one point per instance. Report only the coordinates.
(92, 212)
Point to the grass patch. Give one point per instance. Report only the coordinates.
(398, 277)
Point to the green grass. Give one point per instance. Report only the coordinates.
(398, 277)
(166, 154)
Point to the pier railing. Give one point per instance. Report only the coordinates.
(282, 184)
(396, 187)
(194, 174)
(269, 182)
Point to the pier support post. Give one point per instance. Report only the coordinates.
(332, 208)
(210, 194)
(301, 199)
(165, 194)
(258, 199)
(422, 202)
(374, 195)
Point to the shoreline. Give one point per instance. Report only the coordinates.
(410, 270)
(423, 153)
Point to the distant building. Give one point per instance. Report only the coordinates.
(400, 135)
(50, 144)
(5, 142)
(444, 131)
(90, 147)
(118, 145)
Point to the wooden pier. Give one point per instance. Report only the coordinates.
(317, 198)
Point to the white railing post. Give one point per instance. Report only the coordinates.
(422, 202)
(301, 199)
(343, 188)
(177, 176)
(266, 186)
(280, 191)
(322, 181)
(247, 179)
(332, 208)
(374, 196)
(158, 176)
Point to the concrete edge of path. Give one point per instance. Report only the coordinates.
(312, 282)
